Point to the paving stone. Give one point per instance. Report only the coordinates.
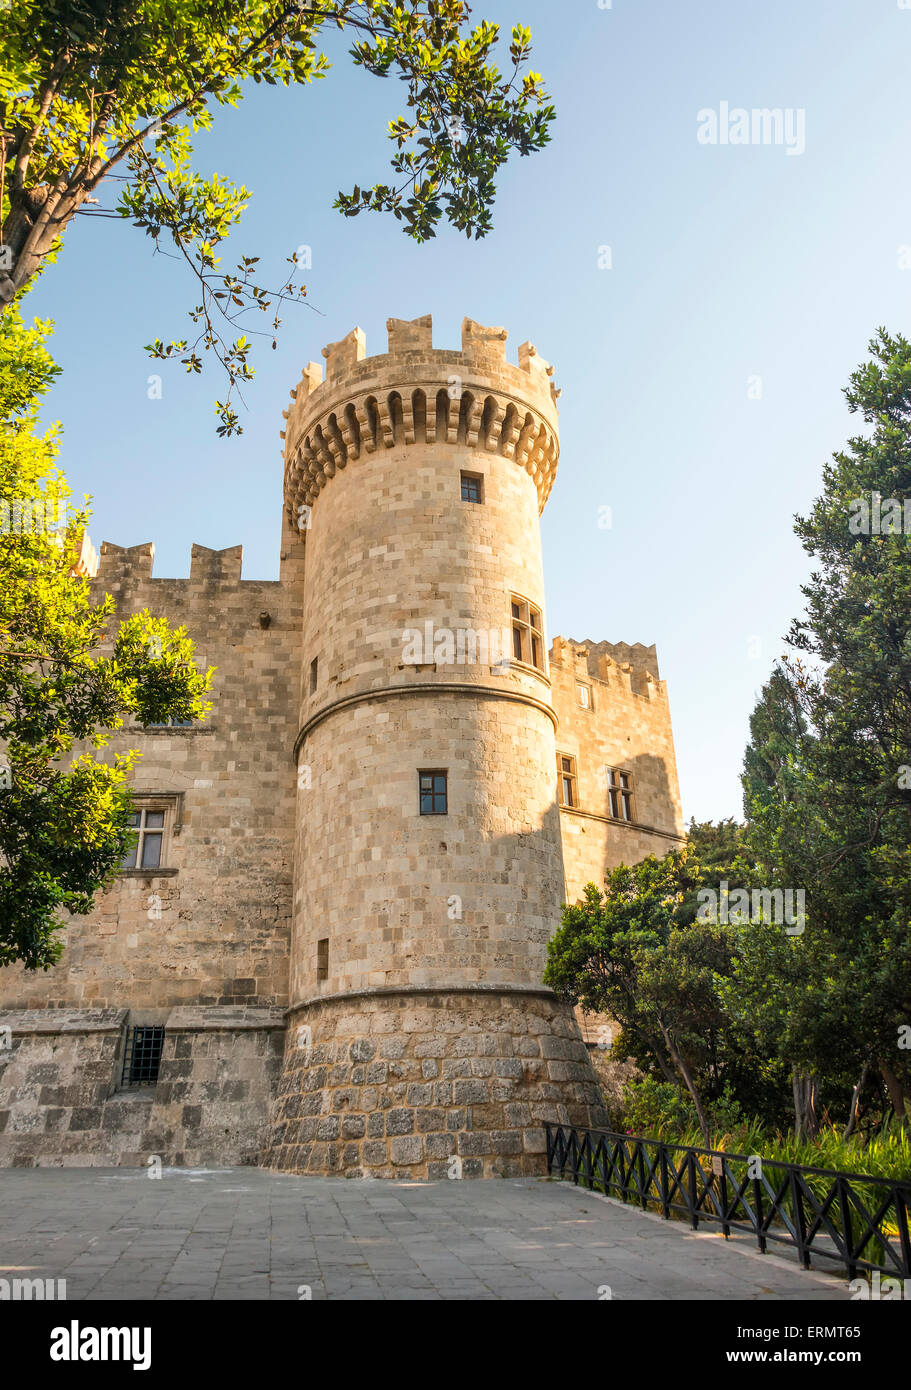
(514, 1239)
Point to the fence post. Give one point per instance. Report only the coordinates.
(845, 1214)
(800, 1220)
(601, 1164)
(723, 1186)
(693, 1189)
(624, 1170)
(587, 1149)
(901, 1217)
(665, 1184)
(757, 1202)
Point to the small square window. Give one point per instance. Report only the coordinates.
(566, 780)
(148, 825)
(434, 793)
(472, 487)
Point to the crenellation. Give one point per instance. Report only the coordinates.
(125, 565)
(409, 335)
(481, 342)
(343, 355)
(216, 566)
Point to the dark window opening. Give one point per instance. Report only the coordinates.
(322, 958)
(142, 1057)
(313, 673)
(471, 487)
(434, 794)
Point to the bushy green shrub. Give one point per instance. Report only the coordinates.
(655, 1108)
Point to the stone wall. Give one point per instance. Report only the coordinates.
(62, 1104)
(386, 1085)
(219, 1070)
(437, 926)
(627, 726)
(57, 1071)
(211, 925)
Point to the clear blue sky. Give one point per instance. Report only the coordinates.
(728, 263)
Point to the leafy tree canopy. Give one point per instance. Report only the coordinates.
(67, 674)
(96, 90)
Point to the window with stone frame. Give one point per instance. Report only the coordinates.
(154, 820)
(433, 792)
(620, 794)
(567, 780)
(584, 694)
(527, 632)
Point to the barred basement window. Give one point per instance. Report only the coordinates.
(434, 793)
(527, 632)
(620, 793)
(566, 780)
(322, 958)
(142, 1057)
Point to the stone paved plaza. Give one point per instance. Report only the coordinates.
(244, 1233)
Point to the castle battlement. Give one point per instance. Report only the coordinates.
(128, 567)
(415, 393)
(634, 667)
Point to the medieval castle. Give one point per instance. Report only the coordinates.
(325, 952)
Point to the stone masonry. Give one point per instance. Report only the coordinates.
(347, 984)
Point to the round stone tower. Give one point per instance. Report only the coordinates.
(428, 870)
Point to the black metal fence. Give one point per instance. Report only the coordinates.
(859, 1222)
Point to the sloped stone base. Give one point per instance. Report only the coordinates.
(429, 1084)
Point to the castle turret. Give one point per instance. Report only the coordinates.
(428, 859)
